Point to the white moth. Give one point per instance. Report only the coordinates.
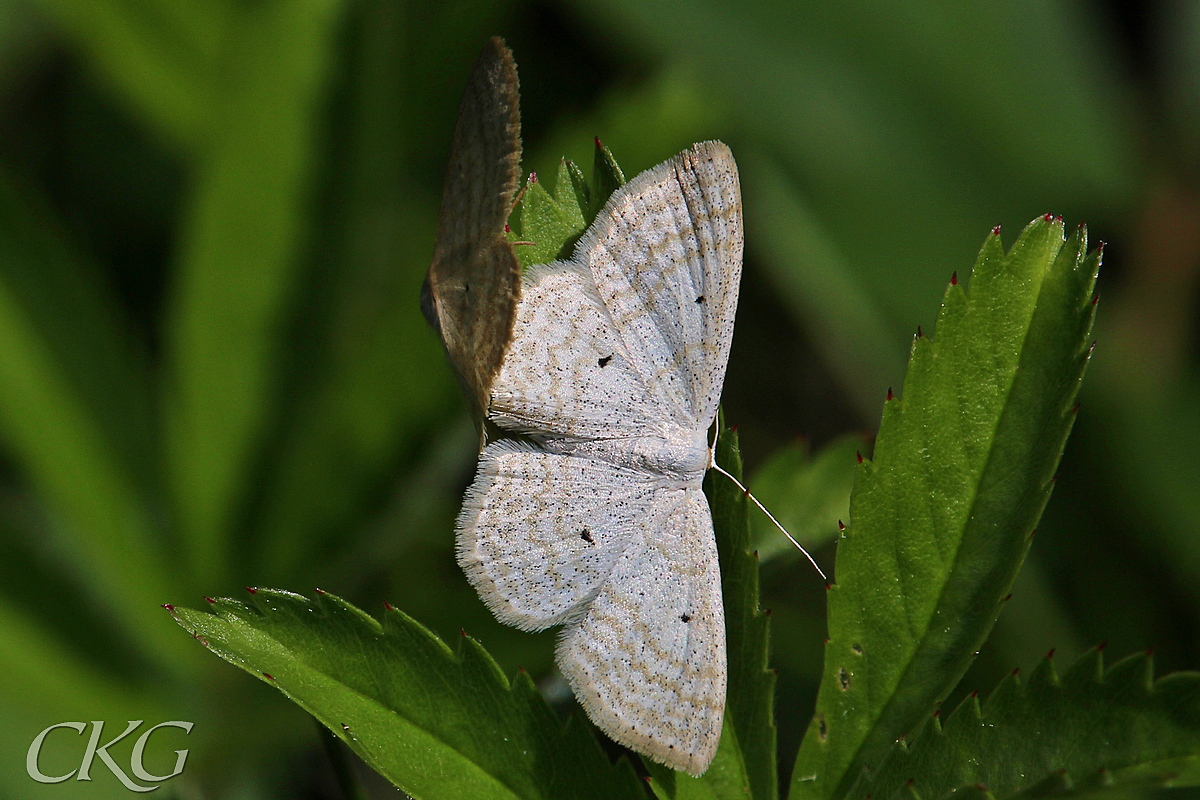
(599, 523)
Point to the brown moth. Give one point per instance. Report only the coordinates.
(474, 282)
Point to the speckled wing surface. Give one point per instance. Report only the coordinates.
(473, 285)
(597, 521)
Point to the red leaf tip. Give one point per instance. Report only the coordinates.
(890, 396)
(1100, 647)
(1007, 597)
(319, 591)
(1048, 217)
(268, 676)
(920, 333)
(251, 590)
(859, 457)
(209, 600)
(168, 607)
(954, 275)
(1050, 655)
(996, 231)
(507, 228)
(599, 144)
(841, 525)
(533, 177)
(1015, 671)
(388, 606)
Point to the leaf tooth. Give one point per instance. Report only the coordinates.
(1041, 241)
(478, 661)
(337, 608)
(1088, 670)
(965, 717)
(1073, 253)
(273, 601)
(992, 252)
(1135, 671)
(400, 626)
(1044, 675)
(1008, 690)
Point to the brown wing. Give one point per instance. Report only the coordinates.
(470, 294)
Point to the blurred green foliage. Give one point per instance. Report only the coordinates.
(214, 220)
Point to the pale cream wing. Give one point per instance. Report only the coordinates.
(567, 373)
(647, 659)
(666, 254)
(540, 532)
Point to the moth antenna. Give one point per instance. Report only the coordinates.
(713, 463)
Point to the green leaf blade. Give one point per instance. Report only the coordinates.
(551, 223)
(435, 723)
(1095, 728)
(940, 520)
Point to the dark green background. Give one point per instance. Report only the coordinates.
(215, 217)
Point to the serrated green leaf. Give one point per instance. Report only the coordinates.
(434, 722)
(809, 494)
(1094, 729)
(941, 519)
(551, 223)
